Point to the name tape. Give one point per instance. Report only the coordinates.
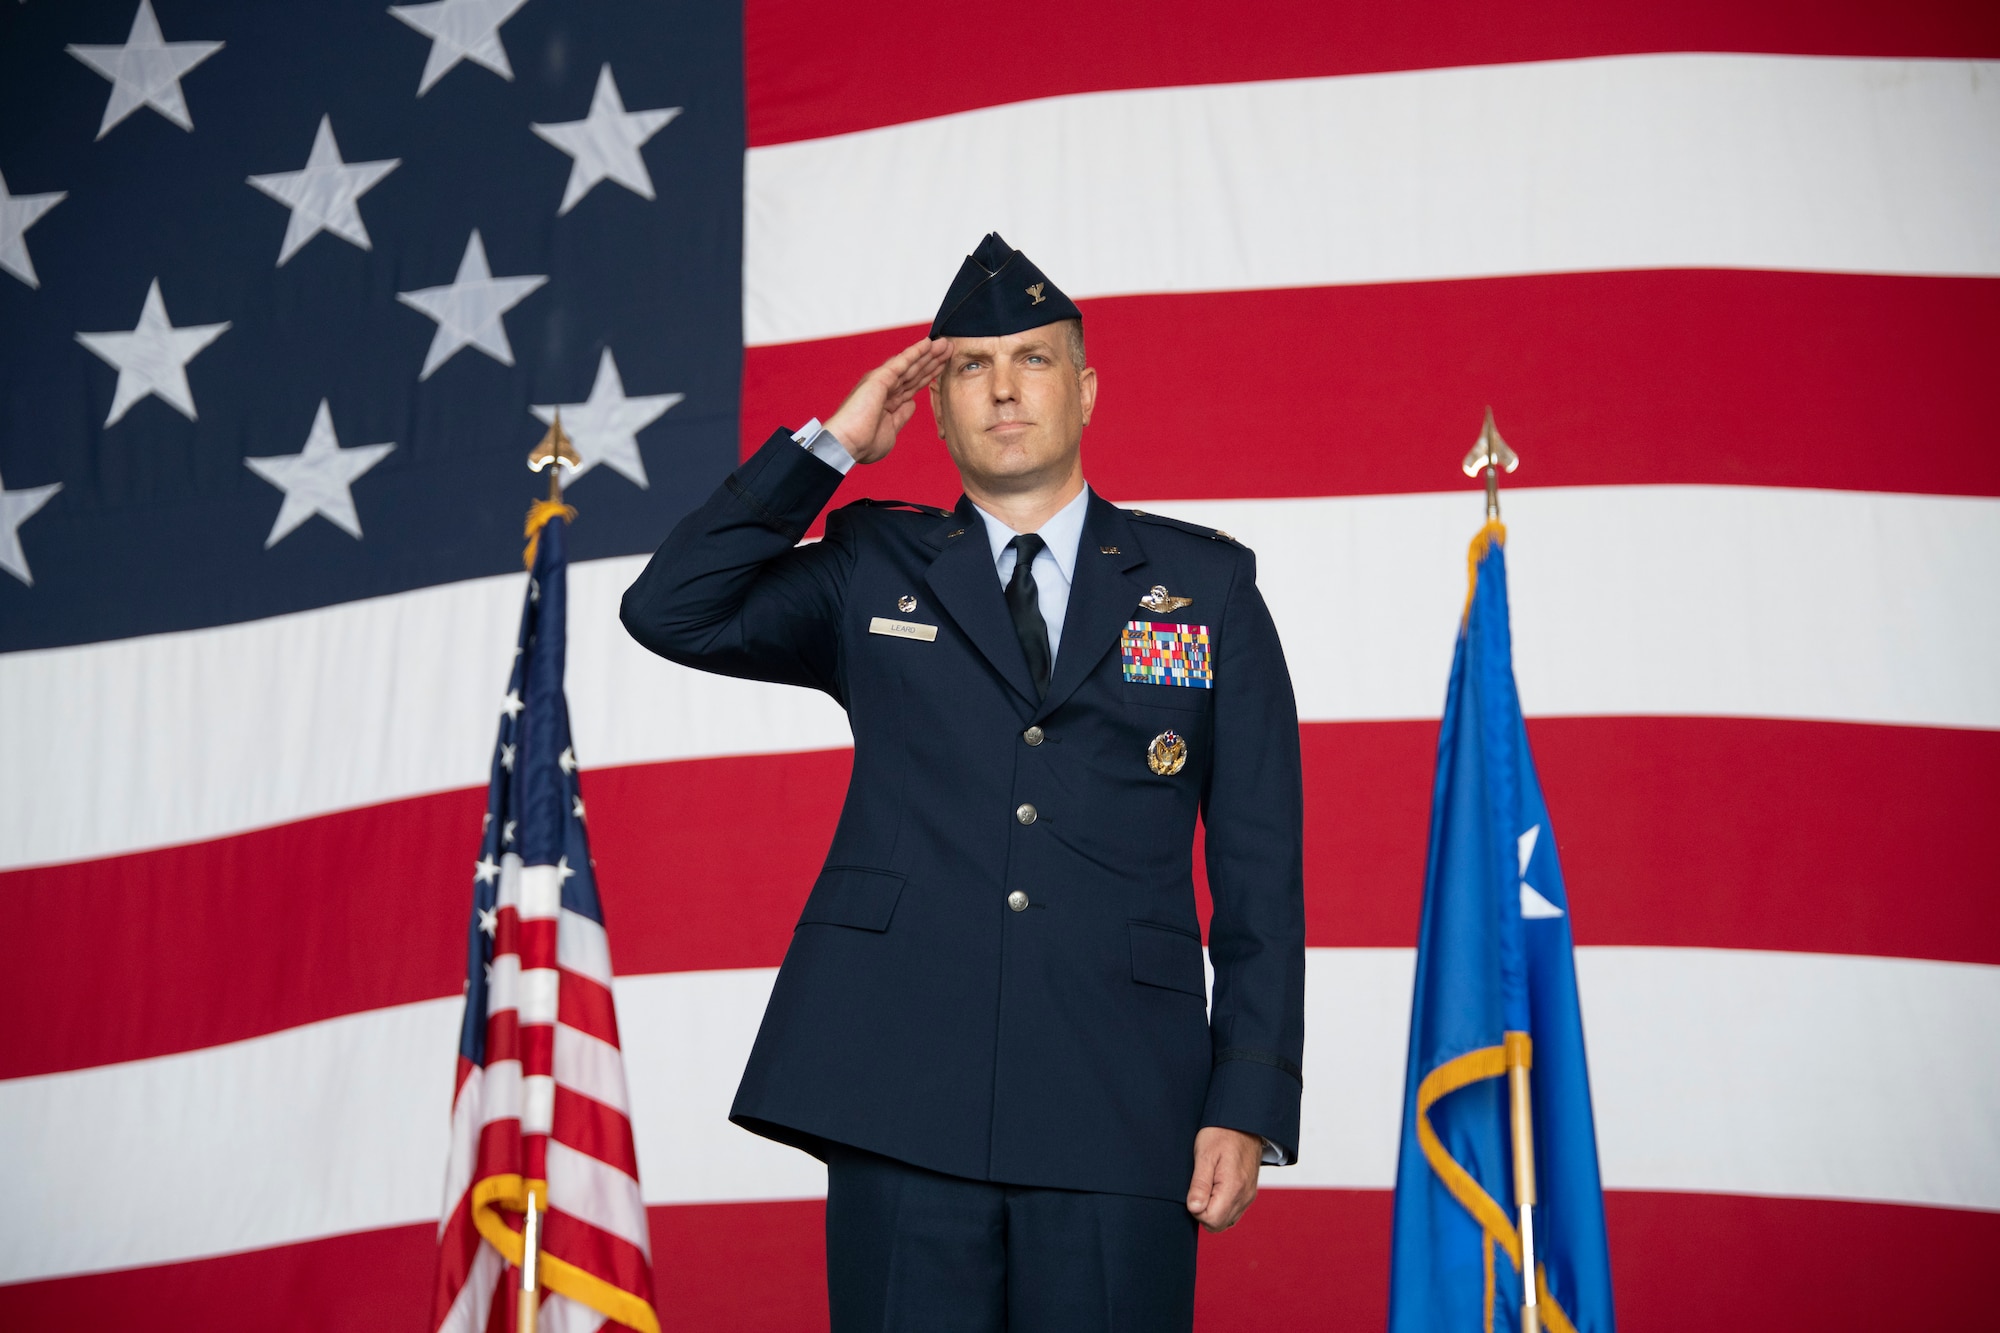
(902, 629)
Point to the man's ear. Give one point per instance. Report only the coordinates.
(937, 408)
(1086, 383)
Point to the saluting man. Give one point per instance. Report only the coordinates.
(992, 1023)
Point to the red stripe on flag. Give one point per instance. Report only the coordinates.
(216, 941)
(1727, 378)
(597, 1252)
(534, 941)
(814, 70)
(589, 1126)
(586, 1006)
(503, 1036)
(458, 1243)
(1302, 1259)
(1674, 831)
(1701, 832)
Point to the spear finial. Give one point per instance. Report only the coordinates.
(1491, 456)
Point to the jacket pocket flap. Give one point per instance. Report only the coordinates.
(853, 896)
(1162, 956)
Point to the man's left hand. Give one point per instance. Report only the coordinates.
(1225, 1176)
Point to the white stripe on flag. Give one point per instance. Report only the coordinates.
(1626, 162)
(591, 1067)
(466, 1117)
(538, 1104)
(503, 1092)
(541, 893)
(316, 1131)
(583, 948)
(1711, 601)
(1726, 601)
(532, 993)
(1724, 1071)
(598, 1193)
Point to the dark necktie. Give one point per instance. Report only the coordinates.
(1024, 604)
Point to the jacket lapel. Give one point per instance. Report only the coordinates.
(1102, 595)
(968, 588)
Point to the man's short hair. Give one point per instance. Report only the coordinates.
(1075, 330)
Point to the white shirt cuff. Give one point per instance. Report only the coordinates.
(822, 444)
(1273, 1155)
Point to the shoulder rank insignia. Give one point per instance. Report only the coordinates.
(1159, 601)
(1154, 653)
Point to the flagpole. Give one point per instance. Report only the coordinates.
(531, 1254)
(1521, 1121)
(554, 452)
(1488, 458)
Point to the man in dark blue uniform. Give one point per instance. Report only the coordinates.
(992, 1022)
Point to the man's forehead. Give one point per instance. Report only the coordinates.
(1044, 336)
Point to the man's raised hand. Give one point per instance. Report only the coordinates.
(883, 402)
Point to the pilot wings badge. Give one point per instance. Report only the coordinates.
(1159, 600)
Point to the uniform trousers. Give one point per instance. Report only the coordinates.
(914, 1251)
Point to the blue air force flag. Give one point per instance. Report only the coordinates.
(1496, 987)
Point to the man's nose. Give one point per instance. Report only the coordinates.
(1003, 383)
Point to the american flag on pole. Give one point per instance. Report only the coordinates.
(541, 1105)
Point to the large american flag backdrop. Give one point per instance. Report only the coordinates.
(289, 290)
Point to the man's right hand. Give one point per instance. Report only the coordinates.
(884, 401)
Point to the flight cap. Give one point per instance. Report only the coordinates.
(999, 291)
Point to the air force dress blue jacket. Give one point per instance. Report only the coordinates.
(999, 973)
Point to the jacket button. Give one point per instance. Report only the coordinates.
(1018, 901)
(1026, 813)
(1033, 735)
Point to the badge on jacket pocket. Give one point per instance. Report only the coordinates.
(1155, 653)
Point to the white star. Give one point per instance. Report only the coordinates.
(605, 428)
(606, 143)
(487, 870)
(507, 831)
(563, 867)
(489, 921)
(16, 508)
(1534, 906)
(146, 71)
(468, 311)
(322, 194)
(576, 806)
(512, 705)
(153, 357)
(316, 480)
(18, 212)
(507, 762)
(566, 761)
(460, 30)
